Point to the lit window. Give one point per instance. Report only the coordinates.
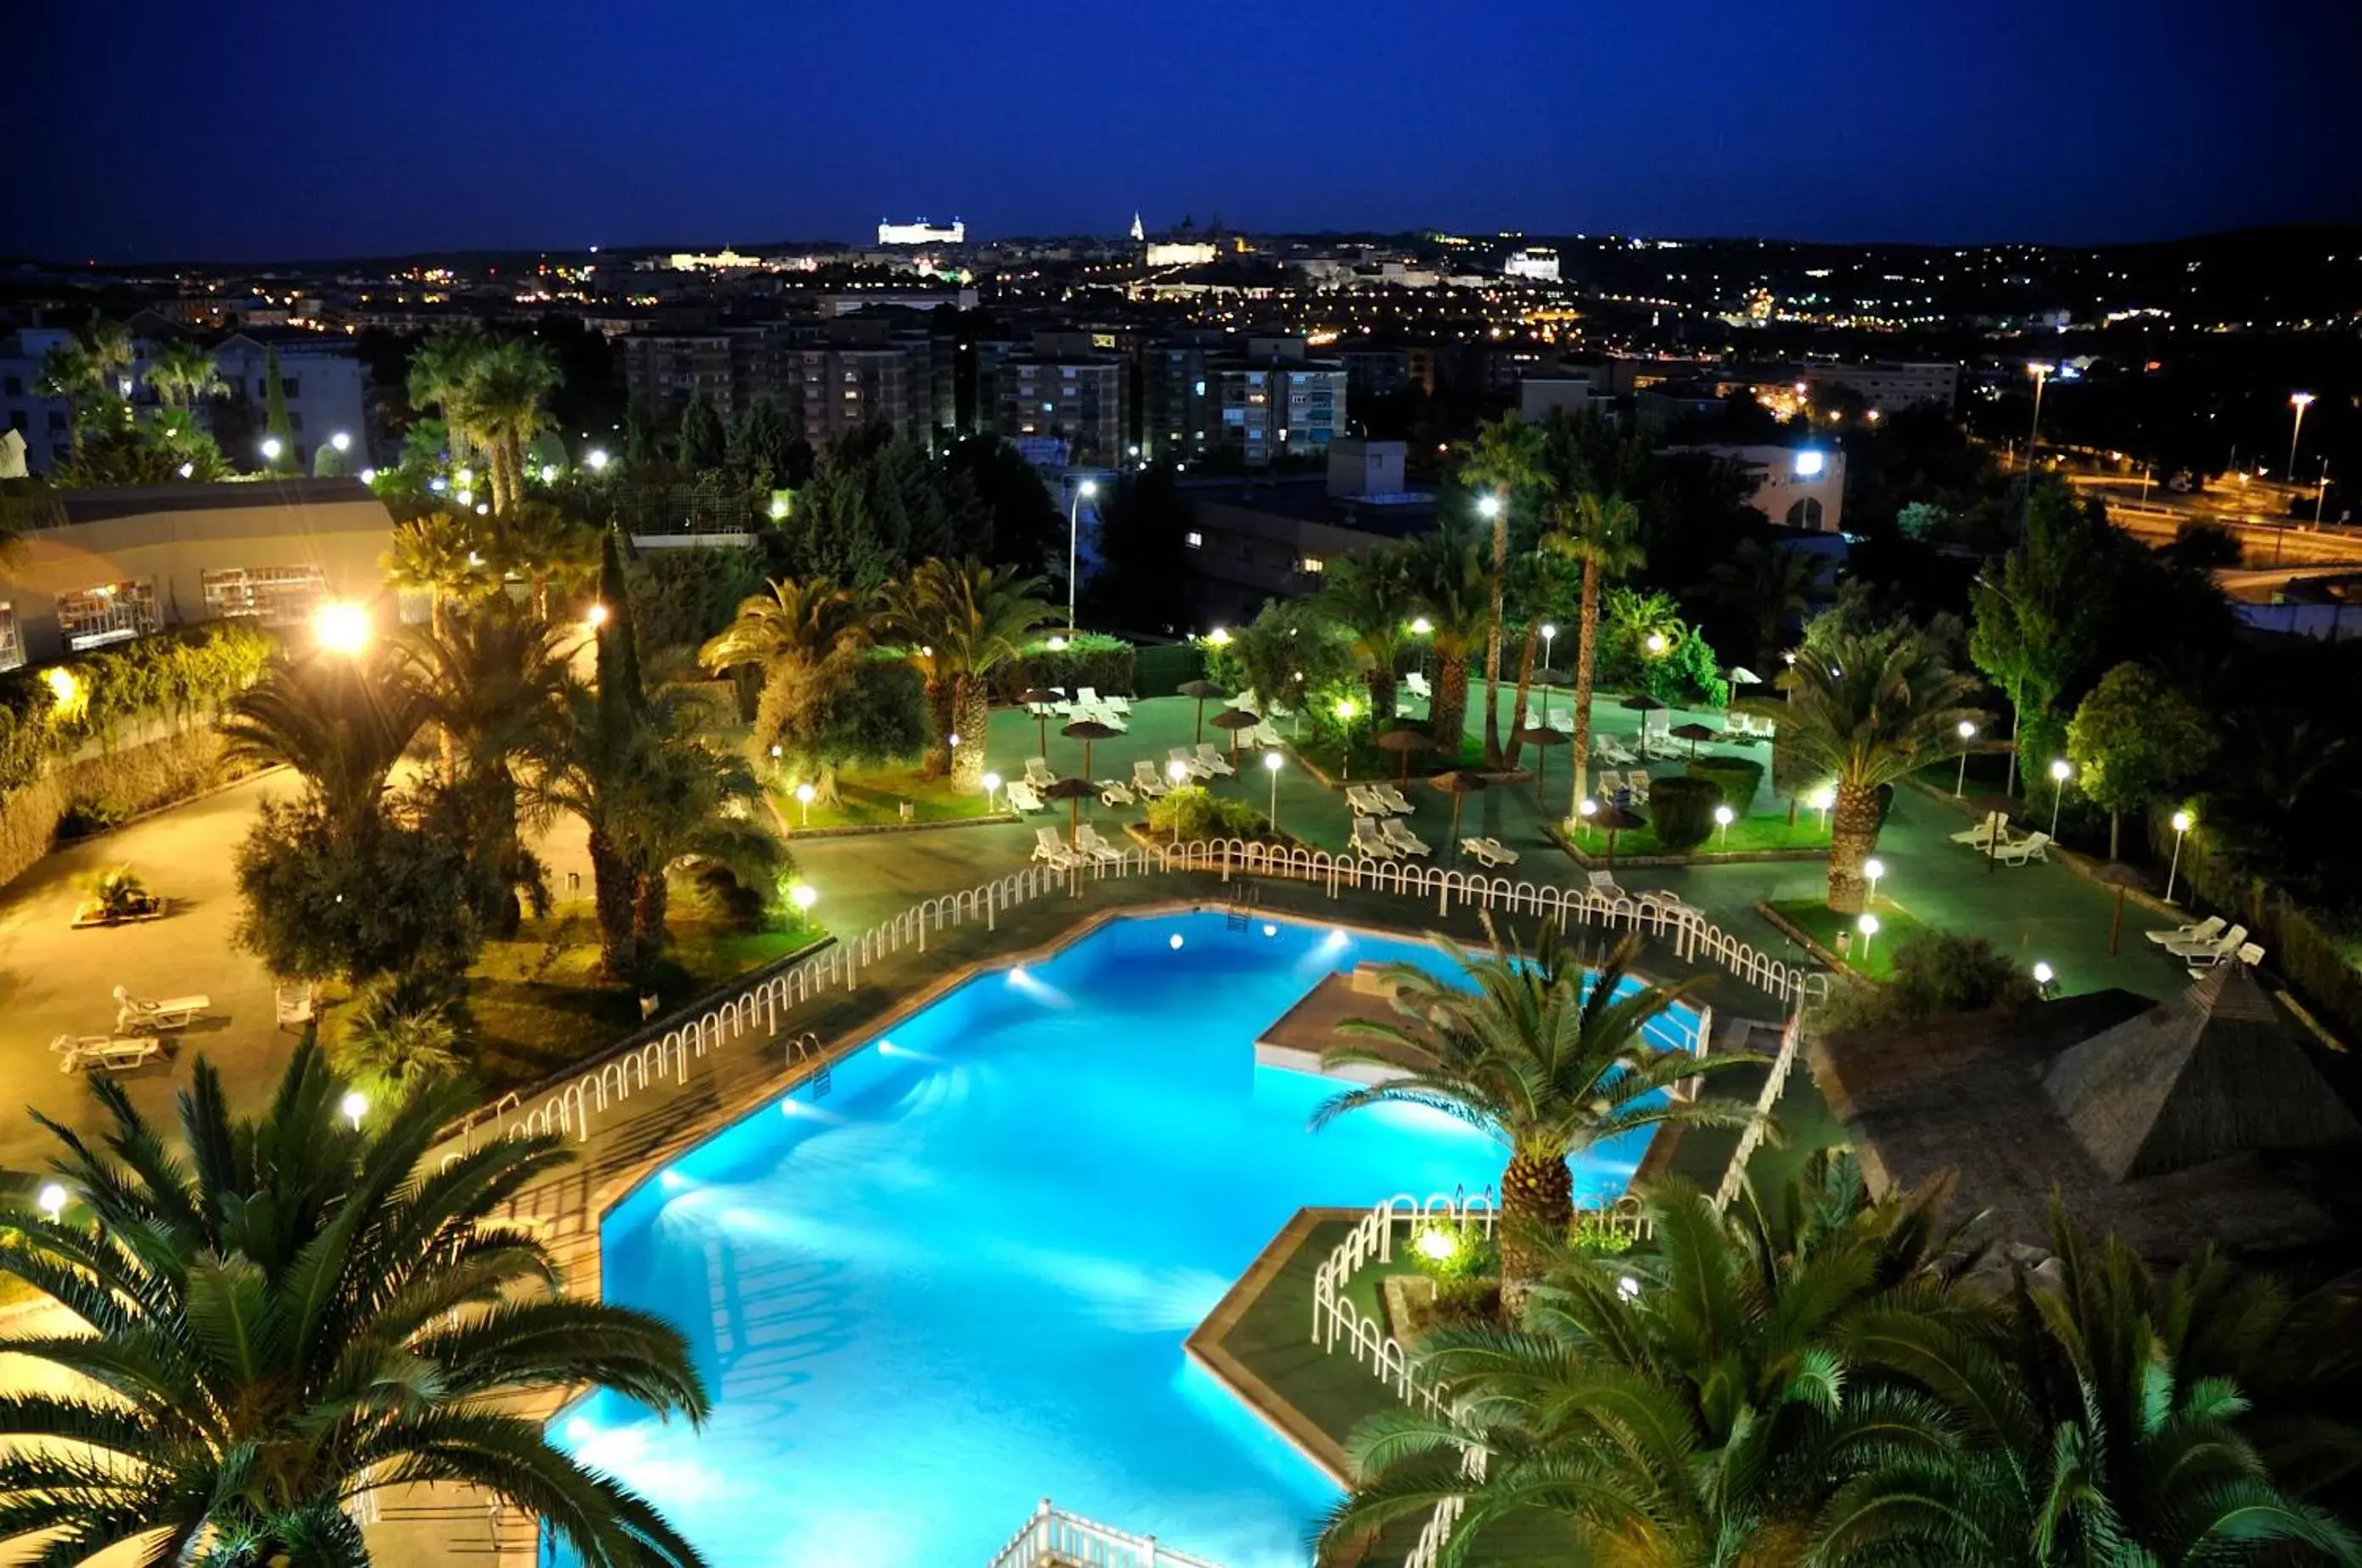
(111, 612)
(1312, 565)
(1196, 541)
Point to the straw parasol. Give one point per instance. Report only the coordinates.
(1643, 705)
(1615, 819)
(1984, 804)
(1073, 792)
(2123, 879)
(1694, 732)
(1404, 740)
(1204, 692)
(1038, 698)
(1236, 720)
(1460, 784)
(1541, 740)
(1088, 730)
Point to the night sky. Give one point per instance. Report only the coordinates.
(142, 129)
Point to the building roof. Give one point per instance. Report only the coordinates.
(145, 500)
(2207, 1075)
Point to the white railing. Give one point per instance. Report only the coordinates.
(567, 1109)
(1751, 1135)
(1055, 1537)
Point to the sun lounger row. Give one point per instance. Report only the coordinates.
(1613, 784)
(2010, 851)
(1385, 839)
(1604, 884)
(1087, 848)
(1377, 800)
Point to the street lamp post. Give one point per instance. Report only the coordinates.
(1723, 817)
(2300, 401)
(2041, 374)
(1968, 732)
(1550, 635)
(1345, 711)
(804, 798)
(2061, 772)
(355, 1106)
(991, 788)
(1868, 927)
(1073, 542)
(2183, 823)
(1872, 870)
(1271, 761)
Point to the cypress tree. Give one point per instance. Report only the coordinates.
(640, 443)
(622, 698)
(704, 444)
(275, 423)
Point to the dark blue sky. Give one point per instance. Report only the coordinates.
(154, 128)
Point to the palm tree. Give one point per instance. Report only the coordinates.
(1548, 1058)
(442, 556)
(68, 372)
(1604, 538)
(2074, 1429)
(542, 544)
(404, 1032)
(1866, 711)
(506, 393)
(342, 723)
(295, 1312)
(1370, 598)
(1506, 459)
(1767, 590)
(442, 373)
(184, 375)
(1452, 588)
(1689, 1422)
(792, 623)
(975, 617)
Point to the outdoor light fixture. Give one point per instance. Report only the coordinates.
(52, 1200)
(355, 1105)
(1073, 541)
(1488, 506)
(466, 475)
(991, 788)
(1628, 1288)
(1219, 637)
(2061, 772)
(1723, 817)
(1656, 642)
(550, 472)
(595, 459)
(62, 684)
(1437, 1244)
(1808, 465)
(596, 615)
(189, 471)
(272, 449)
(1868, 927)
(1549, 635)
(1178, 771)
(803, 896)
(367, 475)
(1174, 941)
(2183, 823)
(1270, 762)
(1968, 732)
(465, 498)
(2045, 981)
(1872, 870)
(779, 509)
(1057, 644)
(1420, 626)
(804, 798)
(341, 626)
(341, 442)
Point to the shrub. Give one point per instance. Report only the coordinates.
(711, 893)
(1089, 658)
(1469, 1300)
(1683, 811)
(1736, 777)
(118, 891)
(404, 1030)
(1445, 1252)
(1936, 972)
(1194, 813)
(1159, 671)
(1598, 1238)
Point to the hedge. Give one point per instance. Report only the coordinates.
(1089, 658)
(1682, 809)
(1161, 669)
(1736, 777)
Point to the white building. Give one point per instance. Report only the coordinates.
(1539, 397)
(1796, 487)
(1887, 385)
(1538, 263)
(922, 233)
(1181, 253)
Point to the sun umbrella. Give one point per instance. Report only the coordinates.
(1088, 730)
(1460, 783)
(1236, 719)
(1643, 705)
(1073, 792)
(1741, 675)
(2123, 879)
(1038, 698)
(1985, 804)
(1404, 740)
(1541, 740)
(1694, 732)
(1204, 692)
(1615, 819)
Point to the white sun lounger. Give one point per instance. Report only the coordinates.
(2206, 930)
(1364, 801)
(78, 1053)
(1393, 799)
(1394, 831)
(1087, 841)
(2206, 955)
(1416, 683)
(1368, 841)
(2017, 851)
(1492, 851)
(134, 1016)
(1211, 755)
(1022, 796)
(1982, 834)
(1145, 779)
(1037, 773)
(1604, 884)
(1191, 765)
(1115, 792)
(1048, 846)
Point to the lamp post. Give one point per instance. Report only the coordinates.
(1872, 870)
(355, 1105)
(1967, 734)
(342, 626)
(1345, 711)
(1179, 773)
(1073, 542)
(52, 1201)
(1549, 635)
(991, 788)
(805, 799)
(2183, 823)
(803, 896)
(2045, 981)
(2300, 401)
(1585, 811)
(1868, 927)
(1723, 817)
(2061, 772)
(1271, 764)
(2041, 374)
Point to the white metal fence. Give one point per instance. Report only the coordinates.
(1052, 1536)
(1750, 1137)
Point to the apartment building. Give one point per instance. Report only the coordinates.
(1259, 539)
(1274, 408)
(731, 366)
(1796, 487)
(842, 389)
(1888, 384)
(1084, 403)
(130, 562)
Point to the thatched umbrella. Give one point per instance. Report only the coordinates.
(1741, 675)
(1088, 730)
(1694, 732)
(1983, 805)
(1073, 792)
(1038, 698)
(1541, 740)
(1404, 740)
(1615, 819)
(1460, 783)
(1236, 720)
(1643, 705)
(2123, 879)
(1204, 692)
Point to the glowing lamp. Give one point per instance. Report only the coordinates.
(595, 459)
(53, 1200)
(803, 896)
(341, 442)
(1437, 1244)
(597, 614)
(355, 1105)
(2061, 772)
(1273, 759)
(272, 449)
(341, 626)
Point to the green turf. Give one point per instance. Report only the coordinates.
(870, 799)
(1752, 834)
(1823, 925)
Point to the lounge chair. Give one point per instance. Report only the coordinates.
(1368, 842)
(78, 1053)
(1610, 786)
(1191, 764)
(2206, 930)
(1664, 901)
(134, 1016)
(1247, 702)
(1416, 683)
(1981, 836)
(2250, 954)
(1637, 783)
(1116, 703)
(1394, 831)
(1211, 755)
(1364, 801)
(1049, 847)
(1563, 721)
(1603, 884)
(1022, 796)
(1393, 799)
(1266, 736)
(1037, 773)
(1115, 792)
(2017, 851)
(1145, 780)
(2200, 954)
(1087, 841)
(1087, 696)
(1492, 851)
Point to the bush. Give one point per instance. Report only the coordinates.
(1470, 1300)
(711, 893)
(1936, 972)
(1453, 1254)
(118, 891)
(1736, 777)
(1160, 671)
(1089, 658)
(1683, 811)
(1194, 813)
(1596, 1237)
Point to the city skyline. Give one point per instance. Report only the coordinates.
(2111, 124)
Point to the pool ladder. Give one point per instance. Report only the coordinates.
(1243, 898)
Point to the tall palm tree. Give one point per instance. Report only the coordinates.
(294, 1312)
(1688, 1423)
(1547, 1057)
(1370, 596)
(1767, 590)
(543, 546)
(442, 555)
(184, 375)
(791, 623)
(1452, 588)
(975, 617)
(109, 348)
(442, 373)
(1505, 460)
(507, 393)
(342, 723)
(2074, 1429)
(66, 371)
(1603, 537)
(1864, 711)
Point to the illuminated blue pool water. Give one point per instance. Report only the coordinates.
(959, 1280)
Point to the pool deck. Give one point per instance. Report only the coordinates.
(1300, 1037)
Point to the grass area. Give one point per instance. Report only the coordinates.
(1760, 831)
(1823, 925)
(868, 799)
(1323, 751)
(540, 1003)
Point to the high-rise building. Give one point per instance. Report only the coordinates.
(1269, 409)
(841, 389)
(1084, 403)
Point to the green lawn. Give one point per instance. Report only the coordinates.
(868, 799)
(1823, 925)
(1760, 831)
(1373, 763)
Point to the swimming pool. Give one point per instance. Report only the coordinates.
(958, 1280)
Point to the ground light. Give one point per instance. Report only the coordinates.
(1656, 642)
(52, 1200)
(596, 615)
(62, 684)
(272, 449)
(803, 896)
(595, 460)
(1967, 734)
(1585, 811)
(1270, 764)
(367, 475)
(805, 799)
(991, 788)
(1438, 1244)
(1822, 800)
(2183, 823)
(355, 1105)
(342, 626)
(1723, 817)
(1873, 869)
(1179, 773)
(2061, 772)
(1219, 637)
(1057, 644)
(1868, 927)
(1420, 626)
(2045, 981)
